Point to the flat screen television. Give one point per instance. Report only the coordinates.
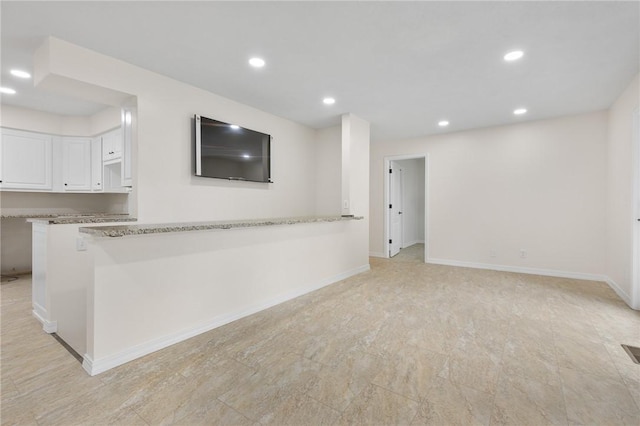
(228, 151)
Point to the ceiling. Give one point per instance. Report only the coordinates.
(403, 66)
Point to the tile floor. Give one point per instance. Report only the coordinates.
(406, 343)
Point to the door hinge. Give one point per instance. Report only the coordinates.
(390, 170)
(390, 241)
(390, 206)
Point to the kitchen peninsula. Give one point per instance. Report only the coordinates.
(158, 284)
(61, 270)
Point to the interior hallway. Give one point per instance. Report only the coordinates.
(406, 343)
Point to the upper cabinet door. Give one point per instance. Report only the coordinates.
(26, 160)
(76, 164)
(96, 164)
(112, 145)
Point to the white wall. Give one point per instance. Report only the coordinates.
(27, 119)
(413, 201)
(355, 180)
(619, 200)
(165, 187)
(538, 186)
(328, 177)
(62, 125)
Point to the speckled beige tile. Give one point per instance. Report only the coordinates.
(593, 399)
(336, 386)
(95, 407)
(629, 371)
(255, 396)
(22, 364)
(439, 338)
(376, 405)
(202, 409)
(523, 401)
(410, 371)
(219, 372)
(583, 354)
(456, 312)
(119, 418)
(327, 349)
(154, 402)
(17, 412)
(45, 393)
(475, 371)
(8, 388)
(258, 353)
(299, 409)
(617, 323)
(449, 404)
(530, 352)
(123, 417)
(488, 345)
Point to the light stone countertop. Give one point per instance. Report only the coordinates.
(66, 219)
(160, 228)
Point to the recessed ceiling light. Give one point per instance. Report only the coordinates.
(7, 91)
(520, 111)
(329, 101)
(20, 74)
(234, 126)
(513, 56)
(443, 123)
(256, 62)
(246, 156)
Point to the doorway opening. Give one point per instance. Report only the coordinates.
(405, 212)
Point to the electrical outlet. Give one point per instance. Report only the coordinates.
(81, 244)
(523, 253)
(493, 253)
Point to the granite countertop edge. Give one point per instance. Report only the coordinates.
(163, 228)
(82, 221)
(68, 219)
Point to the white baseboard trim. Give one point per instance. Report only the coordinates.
(620, 292)
(521, 270)
(377, 254)
(98, 366)
(47, 326)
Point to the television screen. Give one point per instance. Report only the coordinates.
(228, 151)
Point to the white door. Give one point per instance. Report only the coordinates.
(395, 208)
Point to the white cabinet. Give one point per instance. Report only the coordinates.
(26, 160)
(31, 161)
(112, 145)
(76, 164)
(96, 164)
(127, 135)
